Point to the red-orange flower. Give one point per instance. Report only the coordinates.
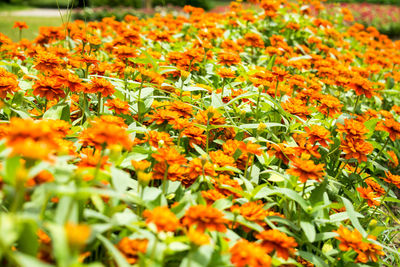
(132, 248)
(119, 106)
(245, 253)
(205, 217)
(102, 86)
(306, 169)
(20, 25)
(369, 195)
(49, 88)
(276, 240)
(163, 218)
(391, 126)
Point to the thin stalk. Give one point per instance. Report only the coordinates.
(376, 156)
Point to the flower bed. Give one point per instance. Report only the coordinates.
(259, 137)
(384, 18)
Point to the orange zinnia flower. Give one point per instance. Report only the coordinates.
(49, 88)
(245, 253)
(47, 62)
(77, 234)
(20, 25)
(32, 139)
(306, 169)
(226, 73)
(349, 239)
(356, 149)
(119, 106)
(132, 248)
(375, 187)
(102, 132)
(317, 133)
(163, 218)
(353, 129)
(369, 195)
(210, 115)
(392, 179)
(391, 126)
(205, 217)
(276, 240)
(8, 83)
(102, 86)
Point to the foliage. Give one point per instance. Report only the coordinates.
(260, 137)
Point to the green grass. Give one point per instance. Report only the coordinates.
(7, 7)
(7, 23)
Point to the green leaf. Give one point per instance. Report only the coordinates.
(324, 236)
(216, 101)
(309, 230)
(122, 181)
(118, 257)
(264, 192)
(57, 112)
(353, 216)
(312, 258)
(28, 261)
(28, 242)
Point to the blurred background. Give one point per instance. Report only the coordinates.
(382, 14)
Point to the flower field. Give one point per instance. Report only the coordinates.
(257, 137)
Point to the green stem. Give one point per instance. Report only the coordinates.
(376, 156)
(355, 104)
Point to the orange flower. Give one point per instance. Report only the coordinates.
(132, 248)
(91, 158)
(353, 129)
(254, 211)
(8, 83)
(329, 105)
(198, 238)
(306, 169)
(119, 106)
(42, 177)
(163, 218)
(245, 253)
(361, 86)
(226, 73)
(369, 195)
(205, 217)
(391, 126)
(20, 25)
(49, 88)
(353, 240)
(349, 239)
(369, 252)
(170, 164)
(196, 136)
(32, 139)
(102, 132)
(375, 187)
(211, 116)
(392, 179)
(276, 240)
(356, 149)
(102, 86)
(319, 134)
(228, 58)
(254, 40)
(199, 167)
(77, 234)
(394, 161)
(47, 62)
